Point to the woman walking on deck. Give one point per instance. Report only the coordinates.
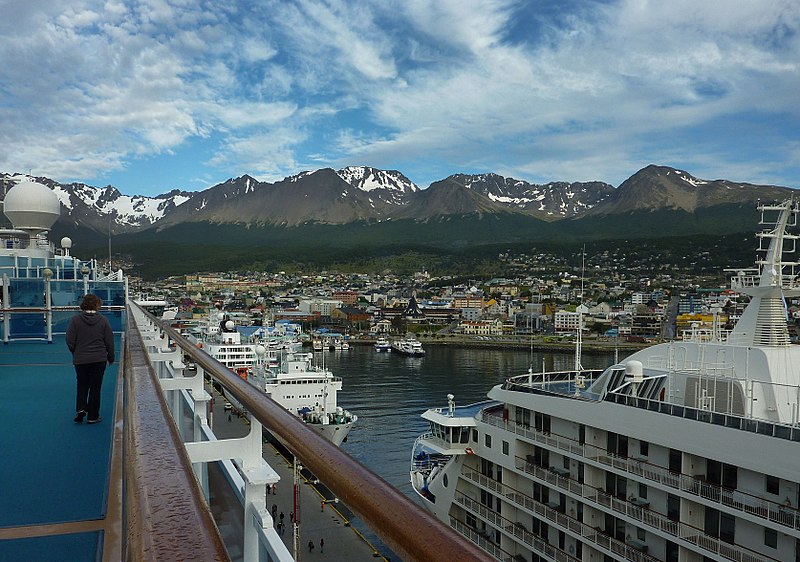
(91, 341)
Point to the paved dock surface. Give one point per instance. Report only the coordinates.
(341, 542)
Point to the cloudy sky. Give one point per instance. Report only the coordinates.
(160, 94)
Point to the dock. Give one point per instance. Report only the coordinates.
(328, 522)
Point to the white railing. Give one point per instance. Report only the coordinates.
(582, 530)
(647, 517)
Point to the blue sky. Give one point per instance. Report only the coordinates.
(162, 94)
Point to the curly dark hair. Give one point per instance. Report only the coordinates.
(91, 302)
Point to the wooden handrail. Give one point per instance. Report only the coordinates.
(406, 527)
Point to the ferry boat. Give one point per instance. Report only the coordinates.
(382, 344)
(281, 370)
(408, 346)
(685, 451)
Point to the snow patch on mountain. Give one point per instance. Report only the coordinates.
(369, 179)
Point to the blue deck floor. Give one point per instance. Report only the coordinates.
(76, 547)
(54, 470)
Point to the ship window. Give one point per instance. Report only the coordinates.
(505, 447)
(488, 440)
(542, 422)
(474, 435)
(444, 480)
(671, 552)
(675, 462)
(644, 448)
(773, 485)
(471, 521)
(771, 538)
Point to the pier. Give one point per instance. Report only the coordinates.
(329, 523)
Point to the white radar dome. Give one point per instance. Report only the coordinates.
(261, 351)
(31, 206)
(229, 325)
(66, 242)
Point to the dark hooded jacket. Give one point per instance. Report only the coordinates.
(90, 339)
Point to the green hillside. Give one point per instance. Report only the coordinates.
(450, 243)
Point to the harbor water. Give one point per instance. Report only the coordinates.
(388, 392)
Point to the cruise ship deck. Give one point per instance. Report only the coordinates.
(137, 485)
(56, 497)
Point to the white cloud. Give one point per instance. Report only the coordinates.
(499, 84)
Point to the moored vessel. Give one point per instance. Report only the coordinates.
(278, 366)
(383, 345)
(687, 450)
(408, 346)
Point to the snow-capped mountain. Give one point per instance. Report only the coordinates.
(360, 193)
(550, 201)
(99, 207)
(388, 186)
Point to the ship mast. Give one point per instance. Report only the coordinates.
(764, 320)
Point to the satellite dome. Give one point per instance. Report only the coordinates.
(31, 206)
(261, 351)
(229, 325)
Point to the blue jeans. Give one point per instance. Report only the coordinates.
(90, 379)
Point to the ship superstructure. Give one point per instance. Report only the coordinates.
(685, 451)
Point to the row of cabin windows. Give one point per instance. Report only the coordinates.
(541, 422)
(717, 473)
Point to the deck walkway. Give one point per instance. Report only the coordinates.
(55, 476)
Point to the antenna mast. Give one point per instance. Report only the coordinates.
(581, 310)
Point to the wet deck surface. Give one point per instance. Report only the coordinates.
(341, 541)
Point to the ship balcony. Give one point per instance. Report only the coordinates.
(480, 539)
(635, 509)
(733, 501)
(573, 527)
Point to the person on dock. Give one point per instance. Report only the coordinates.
(91, 341)
(321, 545)
(311, 546)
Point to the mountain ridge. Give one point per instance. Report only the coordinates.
(363, 193)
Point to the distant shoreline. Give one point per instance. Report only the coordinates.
(589, 347)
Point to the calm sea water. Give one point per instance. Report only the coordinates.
(389, 392)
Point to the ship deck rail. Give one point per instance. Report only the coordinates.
(576, 528)
(692, 485)
(787, 431)
(572, 384)
(650, 519)
(407, 528)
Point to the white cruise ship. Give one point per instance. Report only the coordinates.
(279, 367)
(687, 451)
